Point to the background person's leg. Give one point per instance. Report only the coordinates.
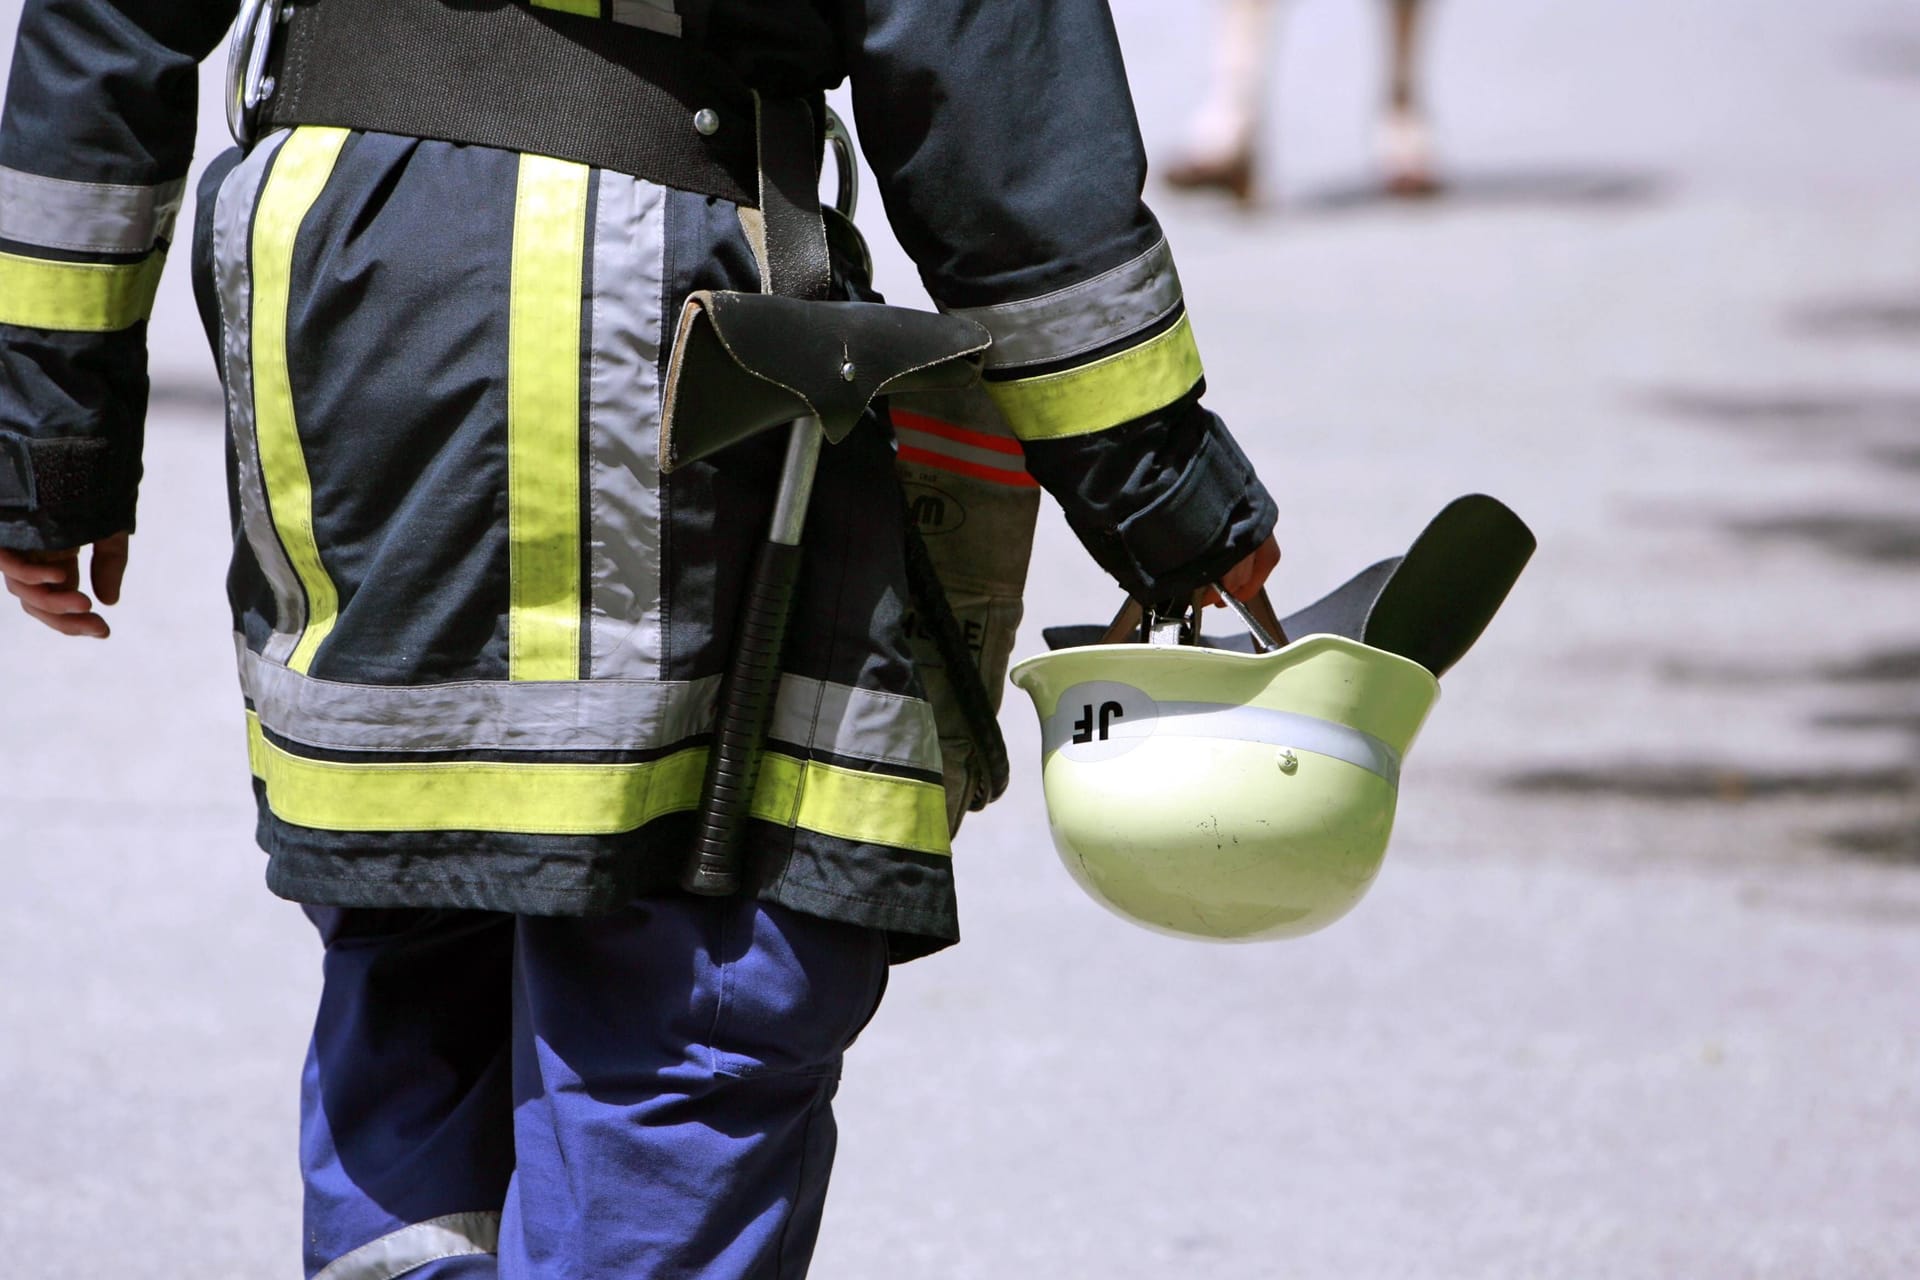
(406, 1137)
(1223, 140)
(1406, 145)
(674, 1067)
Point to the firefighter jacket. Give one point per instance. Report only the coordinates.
(479, 634)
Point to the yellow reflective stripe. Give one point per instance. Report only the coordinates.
(300, 172)
(543, 419)
(585, 8)
(78, 297)
(557, 799)
(587, 799)
(1105, 393)
(873, 808)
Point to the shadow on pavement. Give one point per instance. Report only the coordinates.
(1891, 316)
(1892, 52)
(1494, 189)
(1878, 428)
(1879, 540)
(1882, 426)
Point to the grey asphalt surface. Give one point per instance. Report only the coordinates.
(1636, 995)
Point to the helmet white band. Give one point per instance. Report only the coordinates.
(1066, 728)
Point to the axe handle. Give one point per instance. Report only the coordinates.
(747, 695)
(752, 680)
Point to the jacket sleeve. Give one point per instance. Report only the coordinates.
(94, 144)
(1003, 137)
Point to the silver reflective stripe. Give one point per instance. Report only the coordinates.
(476, 715)
(87, 217)
(574, 715)
(1082, 317)
(233, 274)
(654, 15)
(1244, 724)
(458, 1235)
(625, 620)
(862, 724)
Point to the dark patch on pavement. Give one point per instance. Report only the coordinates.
(1682, 784)
(1881, 540)
(1907, 722)
(1492, 189)
(1885, 665)
(1893, 53)
(1861, 318)
(1897, 842)
(1855, 412)
(1890, 666)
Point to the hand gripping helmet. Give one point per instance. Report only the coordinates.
(1245, 789)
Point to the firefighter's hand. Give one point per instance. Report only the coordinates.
(1245, 579)
(48, 585)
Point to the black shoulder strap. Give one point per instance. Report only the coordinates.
(796, 236)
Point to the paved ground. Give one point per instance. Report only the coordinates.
(1636, 995)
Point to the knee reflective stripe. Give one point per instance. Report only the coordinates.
(543, 419)
(585, 8)
(588, 799)
(458, 1235)
(77, 297)
(299, 174)
(1092, 397)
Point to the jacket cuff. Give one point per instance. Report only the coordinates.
(1215, 515)
(62, 492)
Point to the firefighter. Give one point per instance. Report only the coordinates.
(479, 632)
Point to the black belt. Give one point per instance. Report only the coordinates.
(499, 74)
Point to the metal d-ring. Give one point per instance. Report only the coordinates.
(248, 84)
(846, 165)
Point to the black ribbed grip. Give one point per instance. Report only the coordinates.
(740, 728)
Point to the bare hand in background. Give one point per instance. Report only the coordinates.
(47, 584)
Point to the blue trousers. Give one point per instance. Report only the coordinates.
(646, 1095)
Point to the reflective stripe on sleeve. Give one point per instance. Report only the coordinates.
(77, 297)
(1092, 397)
(587, 799)
(86, 217)
(543, 419)
(458, 1235)
(299, 174)
(1082, 317)
(585, 8)
(654, 15)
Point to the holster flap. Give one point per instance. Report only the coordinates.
(743, 362)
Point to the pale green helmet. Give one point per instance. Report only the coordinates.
(1215, 793)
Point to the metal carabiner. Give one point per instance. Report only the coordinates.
(846, 165)
(248, 84)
